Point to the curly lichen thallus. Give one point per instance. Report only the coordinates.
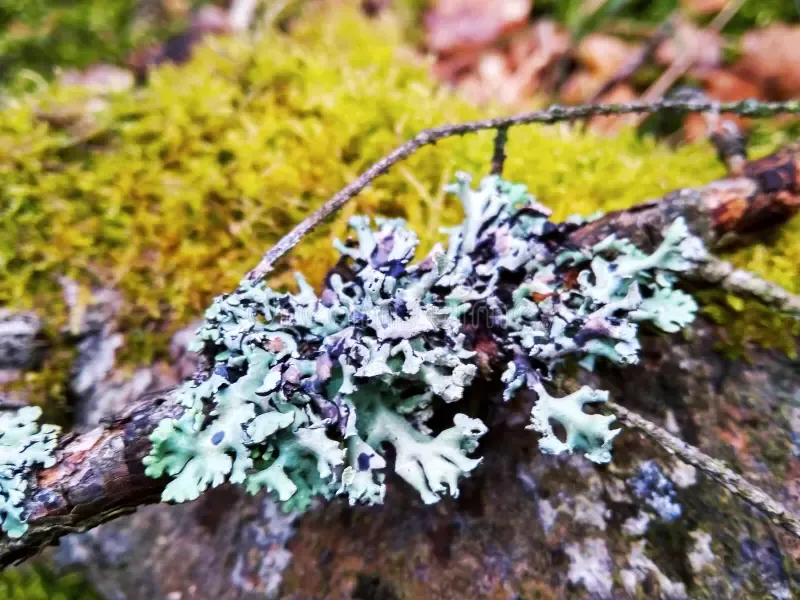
(306, 392)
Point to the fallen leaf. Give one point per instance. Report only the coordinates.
(457, 25)
(603, 54)
(704, 7)
(771, 58)
(489, 80)
(727, 86)
(703, 44)
(531, 57)
(580, 86)
(545, 39)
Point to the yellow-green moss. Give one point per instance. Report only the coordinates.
(169, 193)
(38, 583)
(746, 321)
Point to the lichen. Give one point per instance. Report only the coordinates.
(306, 391)
(168, 191)
(24, 444)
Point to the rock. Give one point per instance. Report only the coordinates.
(525, 525)
(21, 344)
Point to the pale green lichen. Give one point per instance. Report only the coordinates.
(307, 391)
(24, 444)
(166, 191)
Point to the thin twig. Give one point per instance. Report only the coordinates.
(499, 153)
(554, 114)
(730, 143)
(685, 61)
(718, 470)
(635, 62)
(738, 281)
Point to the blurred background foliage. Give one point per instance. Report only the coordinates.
(41, 36)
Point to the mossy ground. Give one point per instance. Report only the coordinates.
(170, 192)
(38, 583)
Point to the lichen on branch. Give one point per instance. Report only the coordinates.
(24, 444)
(307, 391)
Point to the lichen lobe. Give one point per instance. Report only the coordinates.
(307, 392)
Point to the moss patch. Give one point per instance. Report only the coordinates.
(38, 583)
(170, 193)
(746, 321)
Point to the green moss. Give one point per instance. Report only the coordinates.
(38, 583)
(170, 192)
(745, 322)
(39, 35)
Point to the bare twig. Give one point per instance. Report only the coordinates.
(738, 281)
(729, 141)
(684, 62)
(499, 154)
(554, 114)
(718, 470)
(635, 62)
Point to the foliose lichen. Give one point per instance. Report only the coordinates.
(306, 392)
(23, 444)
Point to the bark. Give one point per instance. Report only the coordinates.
(526, 525)
(99, 475)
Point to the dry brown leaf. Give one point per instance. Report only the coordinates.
(452, 69)
(457, 25)
(603, 54)
(704, 7)
(727, 86)
(580, 86)
(489, 82)
(544, 38)
(771, 58)
(703, 44)
(531, 57)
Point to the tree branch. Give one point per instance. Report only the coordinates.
(718, 470)
(554, 114)
(637, 60)
(738, 281)
(99, 474)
